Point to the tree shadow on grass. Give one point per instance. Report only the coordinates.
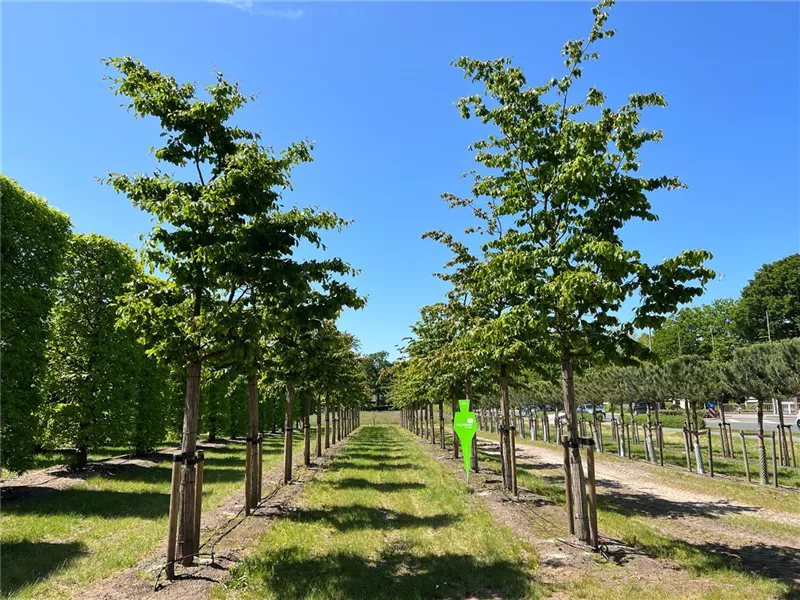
(290, 573)
(356, 516)
(22, 563)
(79, 502)
(358, 483)
(381, 466)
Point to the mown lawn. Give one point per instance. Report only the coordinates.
(386, 520)
(57, 542)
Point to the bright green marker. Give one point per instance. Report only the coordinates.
(466, 426)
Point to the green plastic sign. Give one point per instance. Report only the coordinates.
(466, 426)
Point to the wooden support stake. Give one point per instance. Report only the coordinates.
(248, 477)
(710, 455)
(592, 496)
(774, 462)
(260, 471)
(198, 499)
(174, 500)
(791, 445)
(686, 447)
(514, 489)
(568, 483)
(746, 461)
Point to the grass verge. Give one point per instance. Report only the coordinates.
(386, 520)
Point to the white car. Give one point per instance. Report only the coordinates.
(797, 418)
(592, 409)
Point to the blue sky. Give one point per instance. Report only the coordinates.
(371, 85)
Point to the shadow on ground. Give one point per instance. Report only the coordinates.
(22, 563)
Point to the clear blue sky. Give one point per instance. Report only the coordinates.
(371, 84)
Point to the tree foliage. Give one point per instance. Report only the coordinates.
(34, 240)
(774, 290)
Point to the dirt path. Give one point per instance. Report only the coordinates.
(664, 500)
(229, 531)
(711, 524)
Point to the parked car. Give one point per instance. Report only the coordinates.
(640, 408)
(797, 418)
(593, 409)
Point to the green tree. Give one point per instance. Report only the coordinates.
(91, 376)
(771, 294)
(560, 186)
(708, 331)
(374, 365)
(33, 243)
(211, 219)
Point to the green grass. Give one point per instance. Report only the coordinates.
(380, 417)
(386, 520)
(627, 521)
(54, 543)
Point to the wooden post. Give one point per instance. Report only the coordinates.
(686, 447)
(287, 434)
(307, 429)
(514, 488)
(198, 499)
(319, 427)
(568, 486)
(661, 443)
(327, 424)
(592, 496)
(248, 474)
(177, 461)
(260, 471)
(746, 461)
(710, 454)
(774, 461)
(791, 445)
(730, 439)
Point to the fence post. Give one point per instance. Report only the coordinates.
(774, 461)
(746, 461)
(710, 455)
(198, 499)
(592, 495)
(568, 482)
(172, 535)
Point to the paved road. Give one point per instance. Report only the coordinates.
(748, 421)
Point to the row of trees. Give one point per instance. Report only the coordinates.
(539, 281)
(221, 299)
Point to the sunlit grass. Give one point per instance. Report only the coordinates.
(57, 542)
(386, 520)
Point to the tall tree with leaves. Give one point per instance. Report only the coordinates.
(228, 186)
(769, 308)
(92, 365)
(34, 240)
(708, 331)
(562, 186)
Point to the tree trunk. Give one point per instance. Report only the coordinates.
(252, 436)
(307, 430)
(578, 484)
(511, 483)
(454, 408)
(327, 424)
(81, 457)
(726, 451)
(473, 462)
(782, 435)
(762, 451)
(433, 428)
(648, 439)
(287, 434)
(319, 426)
(191, 413)
(441, 424)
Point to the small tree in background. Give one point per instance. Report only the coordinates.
(34, 241)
